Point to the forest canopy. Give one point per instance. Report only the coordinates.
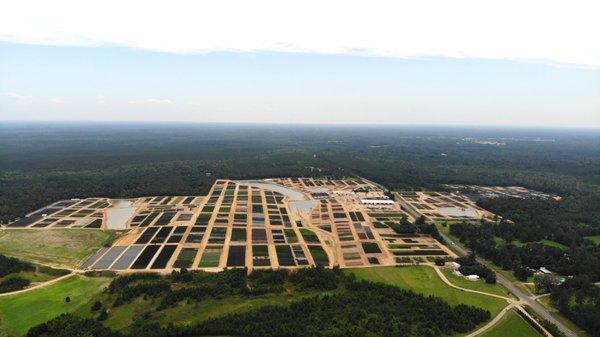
(44, 162)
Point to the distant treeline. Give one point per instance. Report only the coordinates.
(42, 163)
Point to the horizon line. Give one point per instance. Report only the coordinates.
(501, 126)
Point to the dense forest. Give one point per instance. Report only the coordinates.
(44, 162)
(351, 308)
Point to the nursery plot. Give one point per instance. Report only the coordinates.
(92, 259)
(145, 257)
(238, 235)
(162, 235)
(110, 257)
(147, 235)
(259, 235)
(236, 256)
(285, 256)
(211, 256)
(164, 256)
(127, 258)
(309, 236)
(97, 223)
(217, 235)
(260, 256)
(186, 257)
(319, 255)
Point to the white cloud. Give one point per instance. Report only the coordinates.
(153, 101)
(159, 101)
(16, 96)
(547, 30)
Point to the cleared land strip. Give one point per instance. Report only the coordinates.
(40, 285)
(493, 322)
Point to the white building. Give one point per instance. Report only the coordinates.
(377, 201)
(472, 277)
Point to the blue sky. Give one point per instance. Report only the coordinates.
(116, 83)
(466, 62)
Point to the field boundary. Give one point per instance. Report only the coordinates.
(40, 285)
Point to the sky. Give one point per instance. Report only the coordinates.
(516, 63)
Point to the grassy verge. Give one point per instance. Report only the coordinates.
(545, 301)
(553, 244)
(511, 325)
(424, 280)
(55, 247)
(20, 312)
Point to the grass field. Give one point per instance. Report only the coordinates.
(511, 325)
(56, 247)
(595, 239)
(424, 280)
(500, 242)
(20, 312)
(480, 285)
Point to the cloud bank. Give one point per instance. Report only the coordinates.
(541, 30)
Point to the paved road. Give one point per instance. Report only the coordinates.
(523, 298)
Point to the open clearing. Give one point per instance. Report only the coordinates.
(20, 312)
(479, 285)
(424, 280)
(56, 247)
(595, 239)
(511, 325)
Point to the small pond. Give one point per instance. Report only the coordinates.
(118, 213)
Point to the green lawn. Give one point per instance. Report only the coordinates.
(595, 239)
(554, 244)
(20, 312)
(480, 285)
(57, 247)
(517, 243)
(511, 325)
(424, 280)
(500, 242)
